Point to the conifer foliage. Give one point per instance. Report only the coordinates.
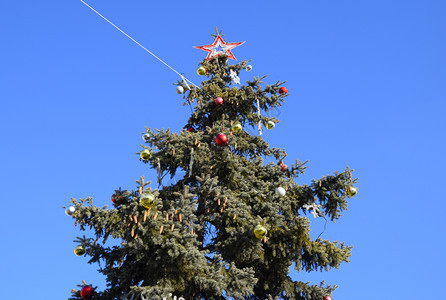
(195, 238)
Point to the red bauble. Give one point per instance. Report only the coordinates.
(191, 129)
(219, 100)
(283, 168)
(221, 139)
(115, 198)
(283, 90)
(87, 292)
(327, 298)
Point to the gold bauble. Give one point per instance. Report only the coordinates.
(270, 125)
(351, 191)
(260, 231)
(147, 200)
(145, 154)
(79, 250)
(201, 71)
(237, 128)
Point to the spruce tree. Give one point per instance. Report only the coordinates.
(233, 225)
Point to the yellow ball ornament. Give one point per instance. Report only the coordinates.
(237, 128)
(147, 200)
(145, 154)
(79, 250)
(270, 125)
(351, 191)
(201, 71)
(260, 231)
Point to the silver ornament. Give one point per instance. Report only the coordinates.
(146, 137)
(180, 89)
(70, 211)
(248, 68)
(280, 191)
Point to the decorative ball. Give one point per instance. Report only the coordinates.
(146, 137)
(283, 90)
(201, 71)
(327, 298)
(351, 191)
(248, 68)
(237, 128)
(147, 200)
(219, 100)
(115, 198)
(190, 129)
(145, 154)
(260, 231)
(79, 250)
(283, 167)
(221, 139)
(70, 211)
(179, 89)
(270, 125)
(87, 292)
(280, 191)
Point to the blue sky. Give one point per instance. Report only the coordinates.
(367, 89)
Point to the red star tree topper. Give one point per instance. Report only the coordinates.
(219, 47)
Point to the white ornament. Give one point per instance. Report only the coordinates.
(248, 68)
(191, 162)
(70, 211)
(146, 136)
(315, 209)
(234, 76)
(260, 118)
(180, 89)
(280, 191)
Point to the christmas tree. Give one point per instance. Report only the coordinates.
(235, 223)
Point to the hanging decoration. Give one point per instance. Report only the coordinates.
(351, 191)
(159, 173)
(147, 199)
(145, 154)
(179, 89)
(280, 191)
(146, 137)
(191, 163)
(115, 198)
(315, 209)
(221, 139)
(70, 211)
(79, 250)
(201, 71)
(283, 168)
(234, 76)
(270, 125)
(87, 292)
(237, 128)
(218, 101)
(260, 117)
(219, 47)
(260, 231)
(248, 68)
(283, 90)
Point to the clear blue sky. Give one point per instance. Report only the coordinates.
(367, 89)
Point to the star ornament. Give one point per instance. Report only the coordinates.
(316, 212)
(219, 47)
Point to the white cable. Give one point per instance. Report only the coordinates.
(136, 42)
